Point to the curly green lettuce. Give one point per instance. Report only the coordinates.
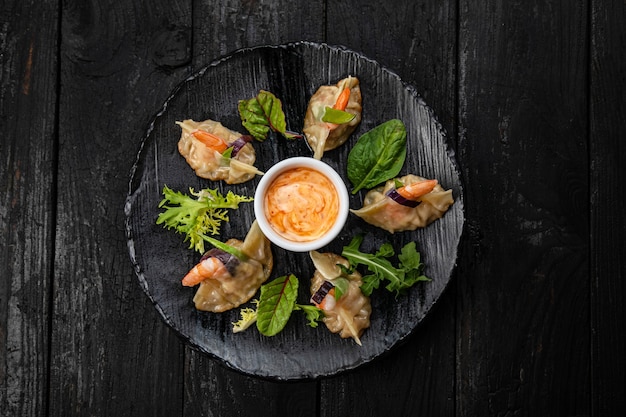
(197, 218)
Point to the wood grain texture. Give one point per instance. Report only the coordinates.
(221, 29)
(608, 179)
(417, 41)
(532, 96)
(415, 378)
(414, 39)
(111, 354)
(28, 91)
(523, 305)
(210, 388)
(213, 390)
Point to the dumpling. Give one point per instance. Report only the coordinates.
(417, 203)
(350, 314)
(202, 145)
(323, 136)
(227, 282)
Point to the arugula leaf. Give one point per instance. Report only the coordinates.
(398, 278)
(386, 250)
(262, 113)
(199, 217)
(277, 301)
(378, 155)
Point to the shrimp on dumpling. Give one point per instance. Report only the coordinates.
(227, 281)
(348, 315)
(416, 203)
(203, 145)
(323, 136)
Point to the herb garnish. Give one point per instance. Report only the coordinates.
(274, 307)
(337, 116)
(262, 113)
(198, 217)
(276, 303)
(378, 155)
(398, 278)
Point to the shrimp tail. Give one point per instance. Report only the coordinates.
(417, 189)
(210, 267)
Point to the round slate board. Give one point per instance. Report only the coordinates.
(293, 73)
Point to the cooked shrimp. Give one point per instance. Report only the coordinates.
(208, 268)
(210, 140)
(328, 302)
(417, 189)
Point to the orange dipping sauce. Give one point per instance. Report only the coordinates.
(301, 204)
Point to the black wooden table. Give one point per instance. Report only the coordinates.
(532, 96)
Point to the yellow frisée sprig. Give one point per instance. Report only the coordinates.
(248, 318)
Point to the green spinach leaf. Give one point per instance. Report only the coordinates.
(378, 155)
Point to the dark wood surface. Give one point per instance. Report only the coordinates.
(532, 95)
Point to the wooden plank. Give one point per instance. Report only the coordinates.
(608, 179)
(524, 313)
(210, 388)
(414, 378)
(111, 353)
(418, 42)
(236, 24)
(28, 88)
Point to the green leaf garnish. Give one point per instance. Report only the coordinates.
(274, 308)
(313, 314)
(228, 153)
(337, 116)
(341, 286)
(378, 155)
(398, 278)
(199, 217)
(248, 318)
(277, 301)
(262, 113)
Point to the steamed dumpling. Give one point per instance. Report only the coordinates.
(238, 280)
(208, 162)
(323, 136)
(350, 314)
(382, 211)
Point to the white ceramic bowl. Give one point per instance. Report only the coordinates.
(277, 170)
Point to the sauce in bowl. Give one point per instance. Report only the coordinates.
(301, 204)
